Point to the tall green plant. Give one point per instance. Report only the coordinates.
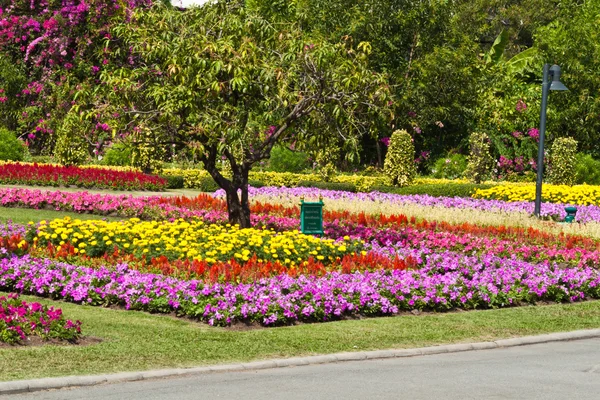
(480, 160)
(562, 161)
(399, 166)
(71, 147)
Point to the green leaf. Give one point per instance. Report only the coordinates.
(497, 51)
(521, 61)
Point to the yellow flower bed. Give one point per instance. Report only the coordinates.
(578, 195)
(188, 240)
(107, 167)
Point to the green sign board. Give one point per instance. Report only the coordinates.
(311, 217)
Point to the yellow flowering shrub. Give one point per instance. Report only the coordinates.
(578, 195)
(193, 178)
(193, 240)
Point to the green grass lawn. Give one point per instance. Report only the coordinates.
(135, 193)
(25, 215)
(140, 341)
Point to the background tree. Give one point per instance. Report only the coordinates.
(235, 84)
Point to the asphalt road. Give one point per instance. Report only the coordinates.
(560, 370)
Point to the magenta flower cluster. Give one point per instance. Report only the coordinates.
(445, 281)
(20, 320)
(406, 239)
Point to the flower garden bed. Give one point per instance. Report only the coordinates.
(22, 322)
(53, 175)
(369, 264)
(444, 282)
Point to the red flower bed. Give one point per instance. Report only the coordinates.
(52, 175)
(229, 271)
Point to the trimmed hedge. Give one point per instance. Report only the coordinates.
(199, 179)
(436, 190)
(346, 187)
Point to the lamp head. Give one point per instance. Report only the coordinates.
(556, 84)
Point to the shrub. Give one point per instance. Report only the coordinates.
(562, 161)
(207, 184)
(255, 183)
(399, 166)
(42, 160)
(450, 167)
(587, 169)
(527, 176)
(119, 154)
(173, 181)
(71, 148)
(11, 148)
(285, 160)
(436, 190)
(480, 160)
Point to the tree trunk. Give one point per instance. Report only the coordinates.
(379, 154)
(238, 208)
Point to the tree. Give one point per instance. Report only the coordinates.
(227, 80)
(51, 54)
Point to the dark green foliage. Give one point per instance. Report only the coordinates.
(11, 148)
(587, 170)
(173, 181)
(451, 166)
(43, 159)
(119, 154)
(208, 184)
(436, 190)
(285, 160)
(255, 183)
(346, 187)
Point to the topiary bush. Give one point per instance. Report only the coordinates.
(285, 160)
(399, 166)
(480, 161)
(11, 148)
(587, 169)
(562, 161)
(71, 147)
(450, 167)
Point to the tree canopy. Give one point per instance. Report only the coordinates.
(95, 72)
(225, 79)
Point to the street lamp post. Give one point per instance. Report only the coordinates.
(551, 81)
